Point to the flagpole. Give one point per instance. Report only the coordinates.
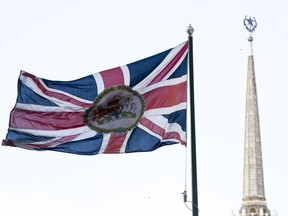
(195, 209)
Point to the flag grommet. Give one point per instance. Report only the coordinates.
(117, 109)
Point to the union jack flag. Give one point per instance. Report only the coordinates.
(48, 115)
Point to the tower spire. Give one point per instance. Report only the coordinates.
(254, 201)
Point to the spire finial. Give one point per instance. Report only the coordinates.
(250, 24)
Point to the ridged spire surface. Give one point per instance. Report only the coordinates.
(254, 201)
(253, 168)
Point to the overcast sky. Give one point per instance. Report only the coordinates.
(66, 40)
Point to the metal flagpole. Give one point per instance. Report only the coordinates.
(195, 209)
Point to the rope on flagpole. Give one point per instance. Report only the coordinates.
(185, 184)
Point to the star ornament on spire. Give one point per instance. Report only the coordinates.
(250, 24)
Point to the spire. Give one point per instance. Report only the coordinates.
(254, 201)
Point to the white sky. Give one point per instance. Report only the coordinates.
(65, 40)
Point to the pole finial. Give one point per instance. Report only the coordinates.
(190, 30)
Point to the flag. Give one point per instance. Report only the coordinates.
(137, 107)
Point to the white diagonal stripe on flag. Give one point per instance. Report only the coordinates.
(54, 133)
(145, 82)
(126, 74)
(170, 127)
(163, 84)
(99, 81)
(165, 110)
(43, 108)
(123, 147)
(105, 141)
(33, 86)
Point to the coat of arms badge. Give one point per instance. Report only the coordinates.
(117, 109)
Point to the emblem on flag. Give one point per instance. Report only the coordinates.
(117, 109)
